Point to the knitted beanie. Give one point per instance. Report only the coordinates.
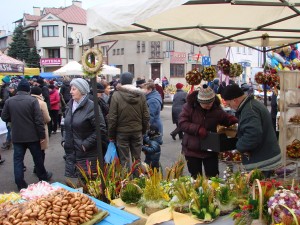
(179, 86)
(36, 90)
(232, 91)
(23, 86)
(205, 95)
(82, 85)
(100, 88)
(126, 78)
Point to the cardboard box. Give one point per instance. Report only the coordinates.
(218, 142)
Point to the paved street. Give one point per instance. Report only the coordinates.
(55, 162)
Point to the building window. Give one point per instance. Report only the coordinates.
(131, 68)
(37, 35)
(71, 56)
(198, 66)
(143, 46)
(170, 46)
(238, 50)
(114, 51)
(176, 70)
(63, 31)
(155, 49)
(138, 47)
(50, 31)
(53, 53)
(250, 51)
(192, 49)
(244, 50)
(118, 51)
(122, 51)
(104, 50)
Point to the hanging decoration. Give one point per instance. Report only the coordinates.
(209, 73)
(90, 68)
(193, 78)
(235, 70)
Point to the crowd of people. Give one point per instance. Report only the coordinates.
(129, 116)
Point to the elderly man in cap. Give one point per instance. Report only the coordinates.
(128, 119)
(27, 126)
(256, 137)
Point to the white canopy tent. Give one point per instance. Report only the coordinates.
(110, 70)
(250, 23)
(72, 68)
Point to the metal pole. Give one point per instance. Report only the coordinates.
(265, 88)
(98, 131)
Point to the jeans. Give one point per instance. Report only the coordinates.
(37, 155)
(54, 120)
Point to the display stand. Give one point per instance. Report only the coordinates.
(289, 106)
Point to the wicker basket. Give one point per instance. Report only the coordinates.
(260, 220)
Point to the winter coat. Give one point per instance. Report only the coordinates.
(80, 134)
(24, 113)
(179, 100)
(160, 91)
(46, 117)
(193, 117)
(274, 106)
(152, 150)
(256, 136)
(154, 103)
(45, 93)
(54, 99)
(65, 91)
(128, 111)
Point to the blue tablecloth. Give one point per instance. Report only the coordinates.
(116, 216)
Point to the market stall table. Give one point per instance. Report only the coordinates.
(116, 216)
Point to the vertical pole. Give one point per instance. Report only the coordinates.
(265, 88)
(98, 131)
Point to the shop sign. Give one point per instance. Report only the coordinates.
(194, 58)
(178, 57)
(206, 61)
(50, 61)
(11, 68)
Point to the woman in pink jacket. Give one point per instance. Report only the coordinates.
(54, 107)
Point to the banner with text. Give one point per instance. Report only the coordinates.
(11, 68)
(178, 57)
(50, 61)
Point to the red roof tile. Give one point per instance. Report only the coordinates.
(73, 14)
(53, 11)
(31, 17)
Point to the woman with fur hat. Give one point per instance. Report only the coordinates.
(179, 100)
(201, 114)
(79, 141)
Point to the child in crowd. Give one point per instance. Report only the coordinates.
(151, 147)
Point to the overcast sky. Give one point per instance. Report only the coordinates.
(12, 10)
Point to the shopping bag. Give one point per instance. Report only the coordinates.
(111, 153)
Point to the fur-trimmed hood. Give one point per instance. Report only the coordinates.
(192, 100)
(130, 93)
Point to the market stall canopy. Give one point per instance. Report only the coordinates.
(49, 75)
(249, 23)
(31, 71)
(10, 66)
(72, 68)
(110, 70)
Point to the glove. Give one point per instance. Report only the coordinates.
(202, 132)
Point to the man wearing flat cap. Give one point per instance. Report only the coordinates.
(257, 140)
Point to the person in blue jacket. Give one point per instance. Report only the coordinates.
(151, 147)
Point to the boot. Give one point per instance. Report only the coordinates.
(6, 146)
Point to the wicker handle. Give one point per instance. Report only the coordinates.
(295, 141)
(291, 211)
(260, 196)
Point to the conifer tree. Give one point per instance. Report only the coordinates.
(33, 59)
(19, 48)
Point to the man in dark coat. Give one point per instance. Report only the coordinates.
(256, 136)
(65, 91)
(45, 91)
(128, 119)
(27, 126)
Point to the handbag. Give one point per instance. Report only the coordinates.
(111, 153)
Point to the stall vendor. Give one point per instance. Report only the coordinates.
(256, 137)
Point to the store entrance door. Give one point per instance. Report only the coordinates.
(155, 71)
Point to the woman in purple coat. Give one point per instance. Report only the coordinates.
(201, 114)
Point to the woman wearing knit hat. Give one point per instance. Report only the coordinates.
(201, 114)
(179, 100)
(79, 141)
